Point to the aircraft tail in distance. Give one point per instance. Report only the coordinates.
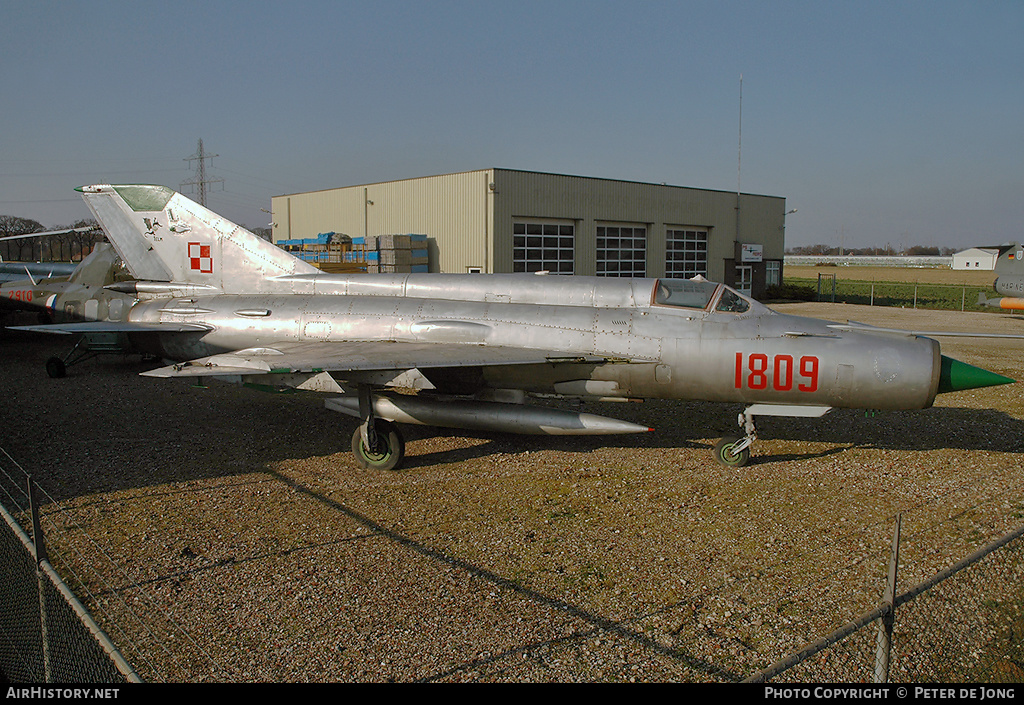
(162, 236)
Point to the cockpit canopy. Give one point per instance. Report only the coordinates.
(699, 294)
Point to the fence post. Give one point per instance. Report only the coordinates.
(915, 295)
(885, 623)
(872, 293)
(39, 544)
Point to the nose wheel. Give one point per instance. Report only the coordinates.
(731, 452)
(734, 451)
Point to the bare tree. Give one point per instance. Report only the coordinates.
(17, 249)
(82, 243)
(50, 248)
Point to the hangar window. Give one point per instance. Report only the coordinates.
(538, 247)
(686, 253)
(621, 251)
(772, 273)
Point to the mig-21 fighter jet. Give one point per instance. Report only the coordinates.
(470, 351)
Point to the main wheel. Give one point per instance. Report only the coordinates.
(725, 455)
(55, 367)
(390, 447)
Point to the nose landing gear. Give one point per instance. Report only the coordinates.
(734, 451)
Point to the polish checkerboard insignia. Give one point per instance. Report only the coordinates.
(200, 258)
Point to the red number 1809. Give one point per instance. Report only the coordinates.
(780, 372)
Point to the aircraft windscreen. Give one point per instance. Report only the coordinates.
(686, 293)
(731, 302)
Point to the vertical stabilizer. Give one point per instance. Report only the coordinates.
(98, 268)
(163, 236)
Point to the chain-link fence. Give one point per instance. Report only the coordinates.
(962, 626)
(832, 288)
(46, 635)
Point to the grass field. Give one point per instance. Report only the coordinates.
(917, 287)
(923, 275)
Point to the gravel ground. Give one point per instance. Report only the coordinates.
(227, 534)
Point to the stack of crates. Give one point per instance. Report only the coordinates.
(377, 254)
(309, 249)
(399, 254)
(364, 249)
(332, 252)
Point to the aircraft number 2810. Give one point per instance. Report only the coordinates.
(781, 372)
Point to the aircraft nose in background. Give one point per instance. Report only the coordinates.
(956, 376)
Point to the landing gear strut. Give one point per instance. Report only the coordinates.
(734, 451)
(57, 367)
(376, 444)
(87, 346)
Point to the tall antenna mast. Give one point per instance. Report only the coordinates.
(739, 162)
(200, 180)
(739, 147)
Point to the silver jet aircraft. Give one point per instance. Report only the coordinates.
(1009, 279)
(468, 351)
(76, 297)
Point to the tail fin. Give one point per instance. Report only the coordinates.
(163, 236)
(98, 268)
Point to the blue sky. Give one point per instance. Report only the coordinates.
(881, 122)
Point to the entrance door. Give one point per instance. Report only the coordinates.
(744, 278)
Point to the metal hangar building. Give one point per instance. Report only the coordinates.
(504, 220)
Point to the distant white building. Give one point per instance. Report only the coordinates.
(976, 258)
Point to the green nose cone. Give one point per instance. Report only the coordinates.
(956, 376)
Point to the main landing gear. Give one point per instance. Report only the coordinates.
(87, 346)
(56, 368)
(379, 447)
(734, 451)
(376, 444)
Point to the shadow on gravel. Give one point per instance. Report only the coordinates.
(599, 623)
(501, 443)
(788, 457)
(927, 429)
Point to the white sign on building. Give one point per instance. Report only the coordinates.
(751, 253)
